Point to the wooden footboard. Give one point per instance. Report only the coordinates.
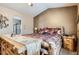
(7, 48)
(10, 47)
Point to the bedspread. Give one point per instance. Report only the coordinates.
(32, 46)
(54, 40)
(32, 43)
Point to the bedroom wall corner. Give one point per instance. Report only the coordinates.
(55, 17)
(27, 21)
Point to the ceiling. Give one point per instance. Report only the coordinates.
(34, 10)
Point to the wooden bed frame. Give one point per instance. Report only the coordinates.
(9, 47)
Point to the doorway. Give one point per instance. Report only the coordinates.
(17, 26)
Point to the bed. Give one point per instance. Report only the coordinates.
(51, 39)
(19, 45)
(47, 40)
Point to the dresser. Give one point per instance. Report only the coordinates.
(0, 46)
(69, 42)
(78, 42)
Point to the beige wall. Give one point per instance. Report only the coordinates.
(65, 16)
(27, 21)
(78, 19)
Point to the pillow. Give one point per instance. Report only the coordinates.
(41, 31)
(46, 33)
(59, 32)
(44, 30)
(50, 31)
(55, 31)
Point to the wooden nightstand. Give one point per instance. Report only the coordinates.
(69, 42)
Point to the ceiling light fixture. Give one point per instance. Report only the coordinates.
(30, 4)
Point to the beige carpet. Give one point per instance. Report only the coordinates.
(66, 52)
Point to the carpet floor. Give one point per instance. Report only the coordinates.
(66, 52)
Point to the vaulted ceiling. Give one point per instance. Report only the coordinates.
(34, 10)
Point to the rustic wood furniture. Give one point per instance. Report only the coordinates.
(69, 42)
(9, 47)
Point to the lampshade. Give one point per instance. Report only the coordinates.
(36, 28)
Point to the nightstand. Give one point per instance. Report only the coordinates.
(0, 46)
(69, 42)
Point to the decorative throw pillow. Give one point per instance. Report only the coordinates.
(59, 32)
(50, 31)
